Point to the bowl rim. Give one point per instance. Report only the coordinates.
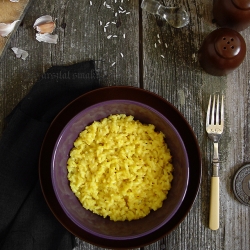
(186, 167)
(160, 104)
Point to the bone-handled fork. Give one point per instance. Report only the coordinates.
(214, 128)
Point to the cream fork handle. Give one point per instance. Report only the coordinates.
(214, 215)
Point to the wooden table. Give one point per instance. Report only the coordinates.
(149, 54)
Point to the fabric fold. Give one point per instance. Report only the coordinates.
(25, 219)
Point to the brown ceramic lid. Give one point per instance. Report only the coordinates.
(227, 45)
(234, 14)
(222, 51)
(242, 4)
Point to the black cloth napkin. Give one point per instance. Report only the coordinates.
(26, 222)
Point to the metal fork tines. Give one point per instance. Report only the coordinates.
(214, 128)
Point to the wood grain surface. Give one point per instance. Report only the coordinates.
(144, 51)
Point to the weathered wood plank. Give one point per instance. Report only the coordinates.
(171, 69)
(176, 76)
(80, 39)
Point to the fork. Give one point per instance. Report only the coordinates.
(214, 128)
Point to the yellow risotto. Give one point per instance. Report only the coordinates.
(120, 168)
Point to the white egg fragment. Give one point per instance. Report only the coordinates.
(20, 53)
(47, 38)
(45, 26)
(7, 28)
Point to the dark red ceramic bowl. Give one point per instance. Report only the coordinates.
(148, 108)
(94, 223)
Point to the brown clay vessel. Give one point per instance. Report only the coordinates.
(222, 51)
(234, 14)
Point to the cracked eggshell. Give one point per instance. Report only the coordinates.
(7, 28)
(44, 24)
(46, 28)
(47, 38)
(42, 20)
(20, 53)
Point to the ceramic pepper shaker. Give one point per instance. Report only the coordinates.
(222, 51)
(234, 14)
